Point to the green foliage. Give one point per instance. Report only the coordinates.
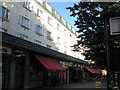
(90, 22)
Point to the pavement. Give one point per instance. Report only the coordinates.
(87, 85)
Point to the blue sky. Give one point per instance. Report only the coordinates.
(60, 7)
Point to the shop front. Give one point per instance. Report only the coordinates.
(92, 73)
(28, 65)
(53, 71)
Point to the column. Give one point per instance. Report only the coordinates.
(0, 72)
(68, 75)
(12, 72)
(7, 71)
(26, 70)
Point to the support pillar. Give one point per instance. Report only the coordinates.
(68, 75)
(26, 70)
(12, 72)
(7, 72)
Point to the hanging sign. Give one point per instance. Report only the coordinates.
(114, 25)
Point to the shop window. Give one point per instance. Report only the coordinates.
(38, 29)
(5, 13)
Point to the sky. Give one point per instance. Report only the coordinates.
(60, 7)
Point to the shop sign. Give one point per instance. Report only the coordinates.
(70, 63)
(6, 50)
(66, 65)
(79, 65)
(75, 65)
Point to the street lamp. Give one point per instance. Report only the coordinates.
(114, 30)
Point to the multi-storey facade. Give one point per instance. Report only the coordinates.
(33, 34)
(39, 23)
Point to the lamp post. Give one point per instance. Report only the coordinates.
(114, 30)
(107, 52)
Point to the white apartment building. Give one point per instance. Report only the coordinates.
(36, 21)
(36, 46)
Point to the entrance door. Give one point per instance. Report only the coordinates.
(19, 72)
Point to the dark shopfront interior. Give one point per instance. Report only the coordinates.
(75, 74)
(13, 69)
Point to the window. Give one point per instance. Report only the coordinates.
(5, 12)
(65, 44)
(70, 36)
(65, 51)
(38, 29)
(23, 36)
(25, 22)
(26, 4)
(58, 40)
(49, 21)
(48, 46)
(49, 35)
(3, 30)
(58, 27)
(39, 12)
(48, 7)
(65, 32)
(57, 15)
(38, 42)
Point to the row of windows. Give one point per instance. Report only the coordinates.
(38, 12)
(25, 37)
(25, 22)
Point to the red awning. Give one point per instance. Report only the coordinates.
(92, 70)
(50, 63)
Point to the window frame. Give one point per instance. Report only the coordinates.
(49, 21)
(5, 15)
(49, 35)
(26, 5)
(25, 22)
(40, 30)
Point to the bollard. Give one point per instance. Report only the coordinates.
(98, 84)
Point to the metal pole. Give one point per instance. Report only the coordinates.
(107, 53)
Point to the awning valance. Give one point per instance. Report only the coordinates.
(92, 70)
(50, 63)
